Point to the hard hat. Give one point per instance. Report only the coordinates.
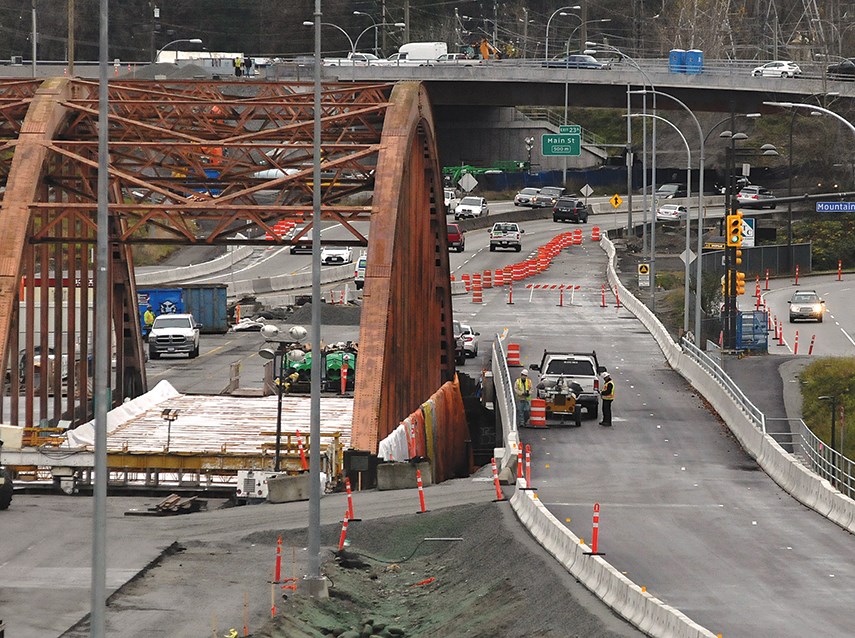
(524, 372)
(607, 376)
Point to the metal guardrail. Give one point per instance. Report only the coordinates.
(707, 363)
(812, 451)
(503, 386)
(818, 457)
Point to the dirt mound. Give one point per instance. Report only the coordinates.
(393, 580)
(331, 315)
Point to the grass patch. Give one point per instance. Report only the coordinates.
(830, 377)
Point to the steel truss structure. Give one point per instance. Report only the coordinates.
(211, 162)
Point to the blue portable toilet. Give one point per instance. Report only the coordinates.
(677, 61)
(694, 61)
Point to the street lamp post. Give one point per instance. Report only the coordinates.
(688, 221)
(169, 44)
(833, 399)
(576, 28)
(279, 355)
(554, 13)
(374, 24)
(376, 27)
(652, 257)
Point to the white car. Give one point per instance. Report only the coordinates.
(777, 69)
(460, 59)
(471, 207)
(671, 213)
(336, 255)
(470, 343)
(525, 196)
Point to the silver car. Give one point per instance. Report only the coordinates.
(754, 196)
(525, 196)
(806, 304)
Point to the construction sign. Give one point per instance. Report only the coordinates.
(616, 200)
(643, 275)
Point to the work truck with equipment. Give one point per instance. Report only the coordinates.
(569, 381)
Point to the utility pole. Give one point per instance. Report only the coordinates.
(525, 31)
(495, 24)
(407, 21)
(35, 38)
(70, 38)
(384, 21)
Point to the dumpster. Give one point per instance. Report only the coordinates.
(677, 61)
(694, 61)
(206, 302)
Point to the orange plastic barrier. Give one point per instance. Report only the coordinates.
(488, 279)
(514, 354)
(595, 233)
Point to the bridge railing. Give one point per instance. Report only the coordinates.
(504, 401)
(709, 365)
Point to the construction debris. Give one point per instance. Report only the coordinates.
(171, 505)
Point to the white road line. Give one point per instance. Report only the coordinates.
(846, 334)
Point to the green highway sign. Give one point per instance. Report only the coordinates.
(570, 129)
(567, 144)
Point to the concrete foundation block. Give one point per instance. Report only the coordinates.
(402, 476)
(285, 489)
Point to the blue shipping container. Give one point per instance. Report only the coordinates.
(677, 61)
(694, 61)
(206, 302)
(163, 301)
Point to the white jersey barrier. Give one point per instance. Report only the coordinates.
(185, 273)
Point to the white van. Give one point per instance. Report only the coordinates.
(418, 53)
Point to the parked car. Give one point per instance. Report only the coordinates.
(576, 61)
(777, 69)
(806, 304)
(671, 213)
(547, 197)
(456, 238)
(524, 197)
(336, 255)
(470, 343)
(755, 197)
(843, 70)
(671, 190)
(471, 207)
(570, 209)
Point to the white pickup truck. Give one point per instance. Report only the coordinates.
(353, 59)
(568, 382)
(506, 235)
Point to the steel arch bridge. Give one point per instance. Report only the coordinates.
(202, 162)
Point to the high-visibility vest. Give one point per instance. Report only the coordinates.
(521, 386)
(609, 391)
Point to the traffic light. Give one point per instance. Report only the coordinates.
(737, 257)
(734, 229)
(740, 283)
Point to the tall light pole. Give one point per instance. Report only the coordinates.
(400, 25)
(315, 584)
(374, 24)
(688, 223)
(169, 44)
(594, 47)
(575, 7)
(576, 28)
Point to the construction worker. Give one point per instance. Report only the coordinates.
(522, 393)
(148, 320)
(608, 395)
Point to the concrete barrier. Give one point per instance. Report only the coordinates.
(285, 488)
(185, 273)
(402, 476)
(627, 599)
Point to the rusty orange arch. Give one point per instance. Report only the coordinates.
(165, 139)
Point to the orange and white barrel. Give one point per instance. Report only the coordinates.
(514, 354)
(595, 233)
(538, 413)
(488, 279)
